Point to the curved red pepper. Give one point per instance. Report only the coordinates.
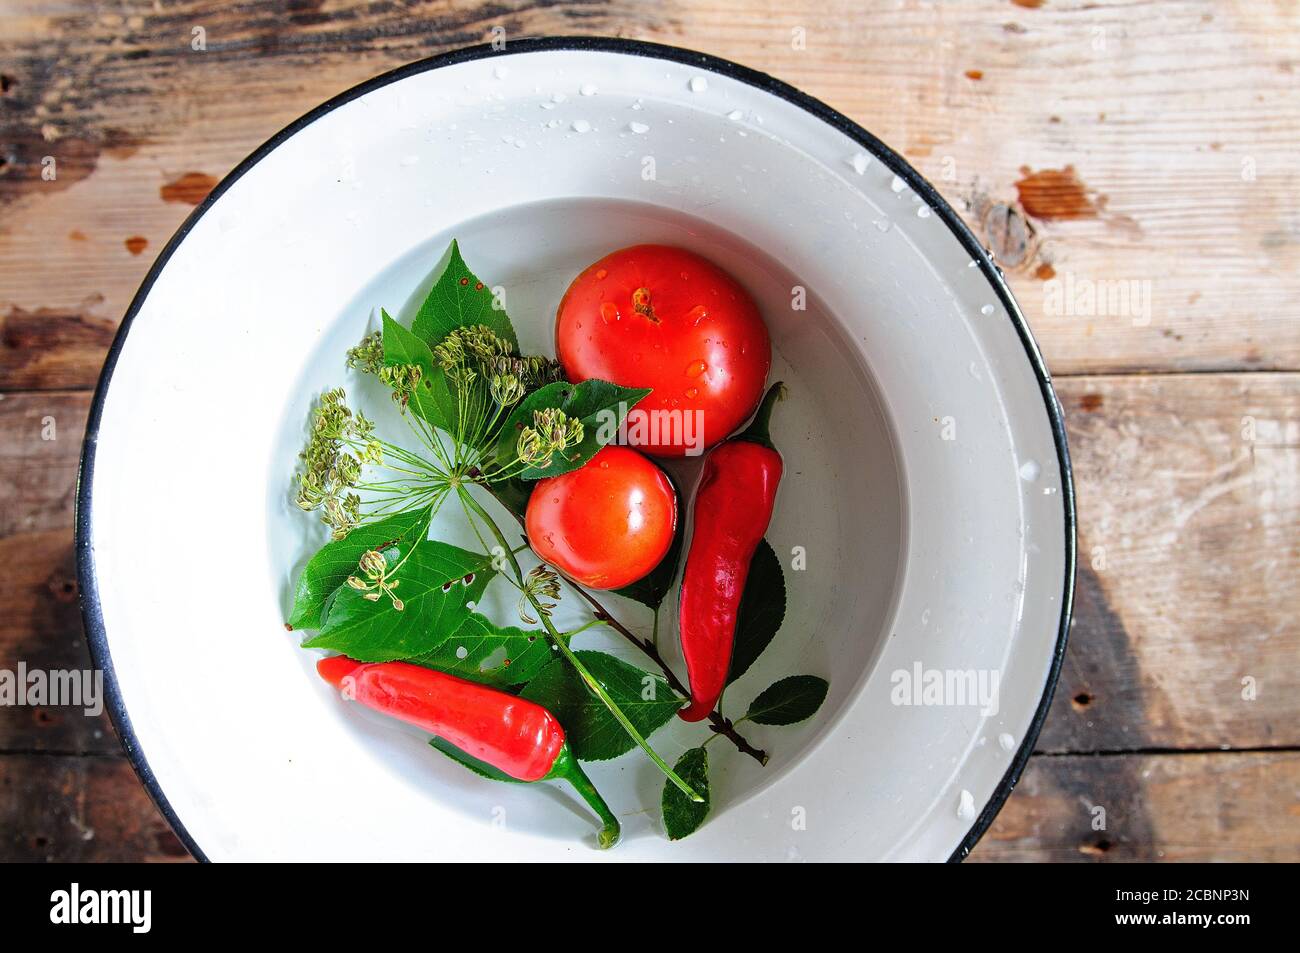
(733, 507)
(513, 735)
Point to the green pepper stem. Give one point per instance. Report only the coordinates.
(588, 679)
(567, 768)
(758, 429)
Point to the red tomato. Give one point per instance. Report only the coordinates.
(606, 524)
(665, 318)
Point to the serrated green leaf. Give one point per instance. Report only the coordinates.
(432, 399)
(481, 768)
(435, 601)
(650, 590)
(788, 701)
(593, 733)
(459, 299)
(337, 560)
(762, 609)
(482, 651)
(600, 405)
(683, 816)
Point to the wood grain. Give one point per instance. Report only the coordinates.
(1153, 143)
(40, 622)
(1189, 541)
(79, 809)
(1238, 806)
(1143, 153)
(1172, 807)
(1185, 631)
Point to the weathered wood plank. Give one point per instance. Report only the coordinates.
(1177, 123)
(1185, 632)
(1215, 807)
(1239, 806)
(1188, 539)
(59, 808)
(40, 623)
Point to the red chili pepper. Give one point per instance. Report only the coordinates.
(733, 506)
(517, 737)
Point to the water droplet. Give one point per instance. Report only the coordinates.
(736, 115)
(696, 368)
(500, 72)
(559, 98)
(859, 161)
(697, 314)
(923, 212)
(639, 128)
(587, 89)
(896, 184)
(581, 125)
(966, 806)
(609, 312)
(1007, 742)
(987, 309)
(692, 393)
(461, 651)
(698, 84)
(882, 224)
(1029, 471)
(601, 274)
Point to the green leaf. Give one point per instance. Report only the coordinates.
(481, 768)
(432, 587)
(650, 590)
(432, 399)
(337, 560)
(513, 494)
(683, 816)
(593, 733)
(790, 700)
(458, 299)
(511, 655)
(762, 609)
(600, 405)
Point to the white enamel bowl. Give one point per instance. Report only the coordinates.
(926, 479)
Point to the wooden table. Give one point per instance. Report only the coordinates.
(1089, 144)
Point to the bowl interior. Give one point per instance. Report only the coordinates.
(923, 480)
(840, 504)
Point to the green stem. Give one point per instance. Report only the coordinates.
(583, 628)
(757, 431)
(566, 768)
(590, 680)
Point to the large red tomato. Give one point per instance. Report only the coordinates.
(606, 524)
(665, 318)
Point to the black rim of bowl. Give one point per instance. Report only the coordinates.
(90, 602)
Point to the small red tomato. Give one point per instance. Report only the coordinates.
(665, 318)
(606, 524)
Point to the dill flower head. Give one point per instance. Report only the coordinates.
(553, 431)
(339, 443)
